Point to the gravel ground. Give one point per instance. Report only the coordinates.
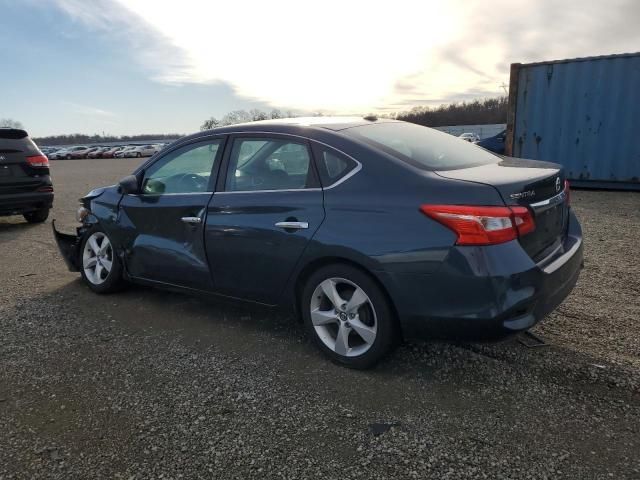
(149, 384)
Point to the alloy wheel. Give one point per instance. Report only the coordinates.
(97, 258)
(343, 317)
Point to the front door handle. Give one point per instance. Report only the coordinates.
(191, 220)
(292, 225)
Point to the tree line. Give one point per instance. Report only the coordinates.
(475, 112)
(79, 139)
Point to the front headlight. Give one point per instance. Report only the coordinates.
(82, 213)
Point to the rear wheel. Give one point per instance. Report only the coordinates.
(38, 216)
(101, 269)
(348, 316)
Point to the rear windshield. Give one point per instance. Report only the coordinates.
(421, 146)
(12, 133)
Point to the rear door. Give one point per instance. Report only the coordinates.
(164, 223)
(16, 176)
(268, 206)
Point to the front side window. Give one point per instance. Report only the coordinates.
(186, 170)
(269, 164)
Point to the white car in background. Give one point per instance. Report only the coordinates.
(470, 137)
(144, 151)
(125, 152)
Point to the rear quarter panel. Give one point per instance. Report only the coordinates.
(373, 219)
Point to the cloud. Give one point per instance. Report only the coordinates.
(358, 56)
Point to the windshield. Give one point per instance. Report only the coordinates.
(421, 146)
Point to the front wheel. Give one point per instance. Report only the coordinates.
(101, 269)
(348, 316)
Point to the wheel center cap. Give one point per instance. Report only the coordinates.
(342, 316)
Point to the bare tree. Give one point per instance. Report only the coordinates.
(213, 122)
(9, 122)
(237, 116)
(257, 115)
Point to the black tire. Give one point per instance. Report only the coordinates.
(114, 280)
(138, 155)
(385, 322)
(68, 157)
(38, 216)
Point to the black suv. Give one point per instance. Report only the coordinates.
(25, 184)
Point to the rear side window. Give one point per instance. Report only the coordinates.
(422, 147)
(269, 164)
(332, 165)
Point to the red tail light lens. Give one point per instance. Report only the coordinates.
(476, 225)
(38, 161)
(567, 191)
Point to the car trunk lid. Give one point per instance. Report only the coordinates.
(538, 186)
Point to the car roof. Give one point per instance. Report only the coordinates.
(298, 124)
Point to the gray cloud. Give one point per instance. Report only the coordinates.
(528, 32)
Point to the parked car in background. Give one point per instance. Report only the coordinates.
(144, 151)
(495, 143)
(306, 215)
(125, 152)
(470, 137)
(97, 153)
(71, 152)
(110, 152)
(82, 152)
(25, 184)
(57, 154)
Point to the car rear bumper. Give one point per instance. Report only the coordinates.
(19, 203)
(486, 293)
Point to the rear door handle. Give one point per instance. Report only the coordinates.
(292, 225)
(191, 220)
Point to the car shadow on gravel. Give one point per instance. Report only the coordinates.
(238, 329)
(174, 370)
(11, 224)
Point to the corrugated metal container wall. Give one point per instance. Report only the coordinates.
(581, 113)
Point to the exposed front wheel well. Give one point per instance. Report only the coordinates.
(315, 265)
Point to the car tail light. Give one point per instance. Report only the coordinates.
(38, 161)
(567, 191)
(477, 225)
(45, 189)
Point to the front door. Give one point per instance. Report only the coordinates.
(269, 209)
(165, 221)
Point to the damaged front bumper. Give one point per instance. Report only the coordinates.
(69, 246)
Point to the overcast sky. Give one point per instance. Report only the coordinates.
(144, 66)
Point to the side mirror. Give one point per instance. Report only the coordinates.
(129, 185)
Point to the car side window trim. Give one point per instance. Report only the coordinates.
(317, 146)
(224, 165)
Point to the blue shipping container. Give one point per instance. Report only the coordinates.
(583, 113)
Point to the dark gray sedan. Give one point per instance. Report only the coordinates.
(371, 230)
